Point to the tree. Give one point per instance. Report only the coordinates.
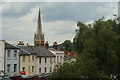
(100, 40)
(78, 40)
(98, 48)
(84, 67)
(67, 45)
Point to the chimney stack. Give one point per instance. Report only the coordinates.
(47, 44)
(42, 43)
(27, 44)
(55, 45)
(20, 43)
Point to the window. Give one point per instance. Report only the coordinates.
(23, 58)
(29, 69)
(39, 70)
(15, 54)
(45, 60)
(40, 60)
(32, 68)
(33, 57)
(15, 67)
(8, 68)
(8, 54)
(45, 69)
(29, 58)
(23, 68)
(54, 59)
(57, 58)
(50, 69)
(50, 59)
(60, 58)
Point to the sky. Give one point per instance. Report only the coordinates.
(59, 19)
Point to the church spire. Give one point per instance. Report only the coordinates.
(39, 37)
(39, 25)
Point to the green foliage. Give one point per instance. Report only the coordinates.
(101, 41)
(98, 46)
(67, 45)
(84, 67)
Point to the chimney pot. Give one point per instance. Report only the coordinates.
(27, 44)
(55, 46)
(20, 43)
(47, 44)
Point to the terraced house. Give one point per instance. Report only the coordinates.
(35, 60)
(9, 61)
(27, 60)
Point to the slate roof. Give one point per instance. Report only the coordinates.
(22, 51)
(10, 46)
(37, 50)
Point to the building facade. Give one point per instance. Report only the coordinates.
(2, 51)
(10, 59)
(27, 62)
(36, 60)
(59, 56)
(44, 61)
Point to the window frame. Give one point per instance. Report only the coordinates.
(8, 68)
(40, 60)
(8, 53)
(50, 69)
(45, 59)
(15, 54)
(24, 58)
(45, 69)
(15, 68)
(33, 58)
(32, 68)
(39, 70)
(23, 68)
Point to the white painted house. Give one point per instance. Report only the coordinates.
(44, 61)
(59, 56)
(10, 59)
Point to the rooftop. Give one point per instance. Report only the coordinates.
(10, 46)
(37, 50)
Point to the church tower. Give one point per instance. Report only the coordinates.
(39, 36)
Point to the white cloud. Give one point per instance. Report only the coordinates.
(52, 30)
(59, 30)
(23, 27)
(108, 10)
(28, 18)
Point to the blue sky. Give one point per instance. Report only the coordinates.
(19, 19)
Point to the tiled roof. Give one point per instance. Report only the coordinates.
(22, 51)
(10, 46)
(38, 50)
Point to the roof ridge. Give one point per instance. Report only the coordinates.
(25, 51)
